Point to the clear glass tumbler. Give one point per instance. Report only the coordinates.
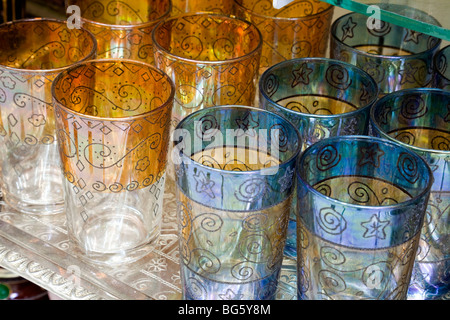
(33, 53)
(112, 120)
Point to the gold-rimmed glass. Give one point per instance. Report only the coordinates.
(298, 30)
(112, 120)
(212, 59)
(216, 6)
(123, 28)
(33, 53)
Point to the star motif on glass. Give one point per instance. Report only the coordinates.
(375, 228)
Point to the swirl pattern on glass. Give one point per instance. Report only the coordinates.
(213, 60)
(396, 57)
(419, 119)
(233, 212)
(359, 220)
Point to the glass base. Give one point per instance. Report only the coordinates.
(199, 287)
(429, 293)
(112, 239)
(35, 206)
(430, 281)
(31, 180)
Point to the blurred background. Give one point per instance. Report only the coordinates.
(17, 9)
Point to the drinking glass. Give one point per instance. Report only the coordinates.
(299, 29)
(123, 28)
(212, 59)
(322, 98)
(442, 72)
(234, 169)
(112, 121)
(33, 52)
(361, 205)
(418, 119)
(396, 57)
(217, 6)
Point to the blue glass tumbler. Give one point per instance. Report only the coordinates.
(396, 57)
(235, 167)
(419, 119)
(441, 69)
(322, 98)
(361, 205)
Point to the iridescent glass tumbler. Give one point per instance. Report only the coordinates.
(396, 57)
(322, 98)
(112, 120)
(299, 29)
(212, 59)
(441, 68)
(217, 6)
(234, 177)
(123, 28)
(32, 53)
(419, 119)
(361, 206)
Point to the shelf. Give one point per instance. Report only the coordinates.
(394, 11)
(38, 249)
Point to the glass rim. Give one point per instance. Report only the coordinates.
(319, 60)
(255, 51)
(396, 94)
(350, 138)
(374, 55)
(435, 61)
(113, 119)
(86, 57)
(132, 25)
(262, 16)
(247, 172)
